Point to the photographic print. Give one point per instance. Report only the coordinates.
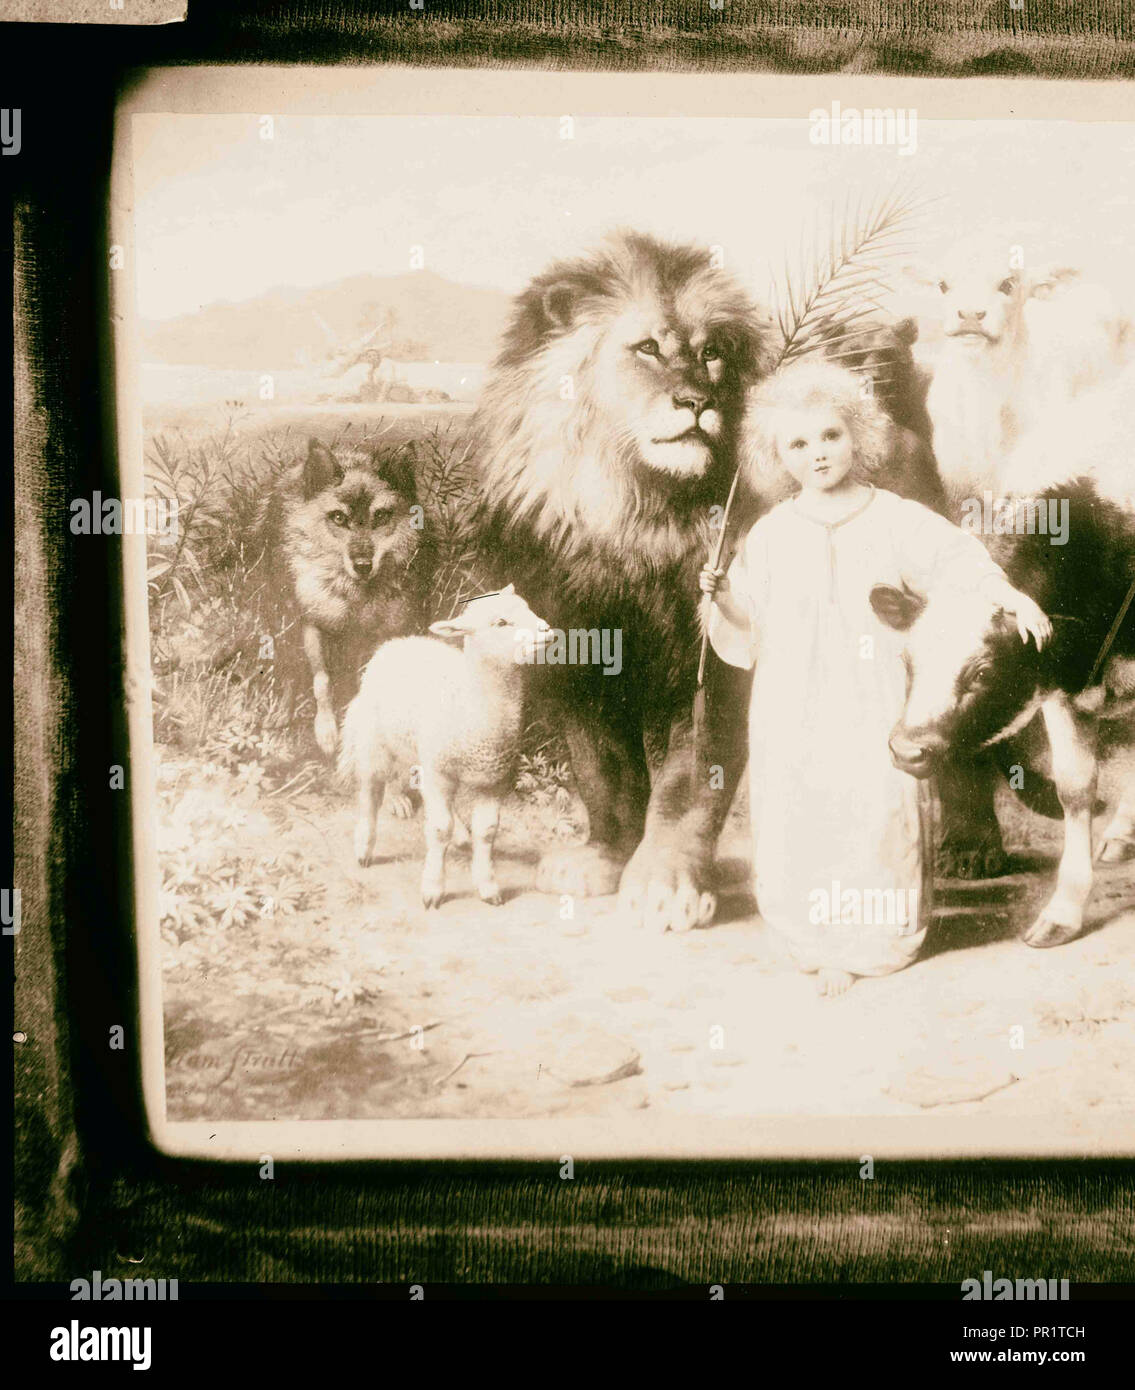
(631, 627)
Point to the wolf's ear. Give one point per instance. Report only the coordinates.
(898, 608)
(906, 331)
(321, 469)
(397, 469)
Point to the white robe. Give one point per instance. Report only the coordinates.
(843, 867)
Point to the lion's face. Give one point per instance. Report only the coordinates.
(669, 383)
(617, 396)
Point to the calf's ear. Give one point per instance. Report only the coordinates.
(321, 469)
(921, 274)
(898, 608)
(1041, 284)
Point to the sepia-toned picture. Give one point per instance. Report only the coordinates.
(635, 624)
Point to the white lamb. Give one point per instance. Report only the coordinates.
(457, 716)
(1016, 341)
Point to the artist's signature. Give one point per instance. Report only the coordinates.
(246, 1058)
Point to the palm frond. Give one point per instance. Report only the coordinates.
(822, 306)
(848, 271)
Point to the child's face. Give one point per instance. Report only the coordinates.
(815, 446)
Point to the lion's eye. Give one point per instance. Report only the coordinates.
(1006, 286)
(380, 518)
(337, 518)
(648, 347)
(943, 287)
(711, 354)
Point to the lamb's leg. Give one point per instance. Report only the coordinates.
(398, 803)
(370, 799)
(1074, 769)
(483, 823)
(437, 803)
(326, 729)
(1119, 837)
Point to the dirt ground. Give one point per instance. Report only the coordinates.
(299, 986)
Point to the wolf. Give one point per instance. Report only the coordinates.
(349, 532)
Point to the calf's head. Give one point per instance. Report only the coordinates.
(982, 294)
(970, 680)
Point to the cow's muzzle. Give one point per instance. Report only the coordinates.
(916, 751)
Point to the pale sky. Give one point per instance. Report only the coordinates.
(224, 215)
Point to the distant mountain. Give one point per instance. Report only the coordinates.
(433, 319)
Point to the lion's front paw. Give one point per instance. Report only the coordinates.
(582, 871)
(664, 889)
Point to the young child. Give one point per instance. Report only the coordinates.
(839, 833)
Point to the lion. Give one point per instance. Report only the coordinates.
(606, 437)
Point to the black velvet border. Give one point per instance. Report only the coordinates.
(89, 1190)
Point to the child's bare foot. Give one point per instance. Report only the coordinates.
(832, 982)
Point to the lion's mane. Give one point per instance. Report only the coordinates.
(565, 477)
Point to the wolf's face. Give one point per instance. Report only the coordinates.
(358, 513)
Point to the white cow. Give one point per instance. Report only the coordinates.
(1015, 342)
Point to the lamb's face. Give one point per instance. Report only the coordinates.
(498, 627)
(981, 303)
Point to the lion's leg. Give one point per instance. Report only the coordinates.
(666, 885)
(611, 775)
(609, 769)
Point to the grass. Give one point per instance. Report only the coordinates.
(230, 680)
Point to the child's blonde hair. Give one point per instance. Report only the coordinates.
(813, 382)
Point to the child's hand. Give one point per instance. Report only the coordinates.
(712, 581)
(1032, 621)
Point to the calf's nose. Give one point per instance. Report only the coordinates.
(915, 751)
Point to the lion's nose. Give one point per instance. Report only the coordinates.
(687, 399)
(691, 399)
